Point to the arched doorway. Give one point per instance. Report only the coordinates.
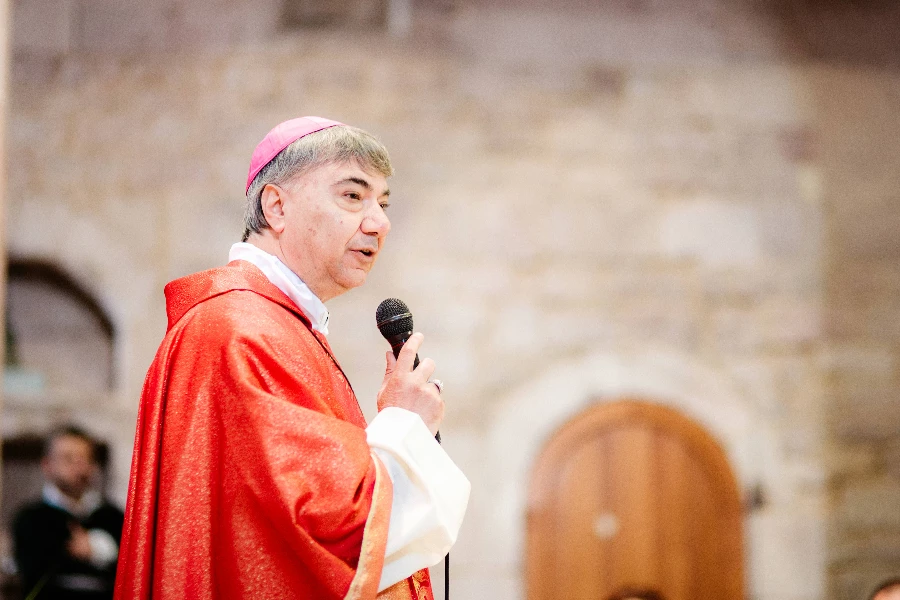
(633, 494)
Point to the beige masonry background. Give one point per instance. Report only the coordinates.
(662, 199)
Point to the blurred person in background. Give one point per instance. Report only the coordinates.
(887, 590)
(67, 543)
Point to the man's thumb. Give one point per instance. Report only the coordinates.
(391, 362)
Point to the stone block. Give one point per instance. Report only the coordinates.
(868, 230)
(516, 328)
(43, 26)
(334, 14)
(121, 27)
(654, 322)
(715, 234)
(870, 505)
(863, 301)
(736, 331)
(793, 565)
(757, 381)
(775, 327)
(868, 361)
(762, 95)
(847, 461)
(800, 143)
(581, 328)
(563, 284)
(192, 26)
(810, 183)
(793, 232)
(866, 412)
(790, 322)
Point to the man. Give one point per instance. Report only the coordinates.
(887, 590)
(254, 473)
(66, 544)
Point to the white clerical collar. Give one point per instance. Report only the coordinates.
(286, 281)
(89, 502)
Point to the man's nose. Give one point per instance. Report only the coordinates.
(376, 222)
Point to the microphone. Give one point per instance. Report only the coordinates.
(395, 323)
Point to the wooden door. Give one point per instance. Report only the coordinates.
(633, 494)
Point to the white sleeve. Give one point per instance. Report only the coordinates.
(430, 494)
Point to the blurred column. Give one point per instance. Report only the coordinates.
(5, 57)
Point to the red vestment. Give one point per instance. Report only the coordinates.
(251, 475)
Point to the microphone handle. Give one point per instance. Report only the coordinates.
(396, 345)
(397, 348)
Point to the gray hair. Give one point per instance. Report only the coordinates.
(337, 144)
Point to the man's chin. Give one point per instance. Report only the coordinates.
(75, 491)
(351, 280)
(358, 279)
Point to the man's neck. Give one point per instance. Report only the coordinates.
(289, 282)
(268, 242)
(79, 507)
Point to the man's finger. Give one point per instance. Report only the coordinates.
(391, 362)
(425, 369)
(408, 353)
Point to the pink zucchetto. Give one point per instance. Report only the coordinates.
(282, 136)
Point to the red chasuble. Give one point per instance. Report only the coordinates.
(251, 475)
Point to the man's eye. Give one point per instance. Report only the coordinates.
(385, 205)
(353, 195)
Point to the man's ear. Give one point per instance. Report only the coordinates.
(272, 202)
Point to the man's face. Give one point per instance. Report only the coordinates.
(70, 465)
(334, 226)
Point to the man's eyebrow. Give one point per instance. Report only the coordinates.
(361, 182)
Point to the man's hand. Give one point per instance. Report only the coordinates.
(406, 388)
(79, 545)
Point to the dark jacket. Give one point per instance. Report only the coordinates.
(41, 532)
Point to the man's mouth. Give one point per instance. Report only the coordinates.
(366, 252)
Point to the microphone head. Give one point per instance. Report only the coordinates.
(393, 318)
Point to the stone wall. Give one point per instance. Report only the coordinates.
(653, 198)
